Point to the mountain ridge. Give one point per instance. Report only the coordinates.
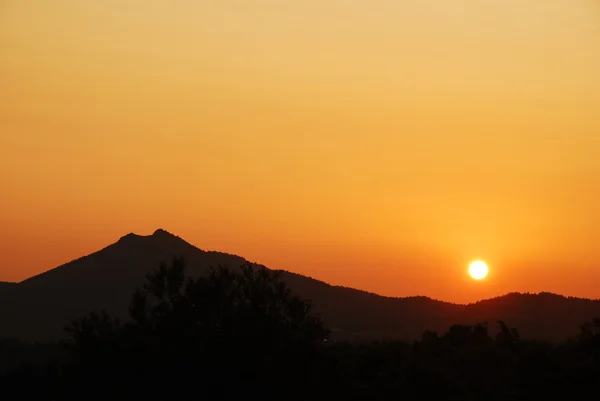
(134, 237)
(105, 279)
(162, 232)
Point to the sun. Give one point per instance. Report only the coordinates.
(478, 270)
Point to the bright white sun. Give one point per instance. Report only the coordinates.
(478, 270)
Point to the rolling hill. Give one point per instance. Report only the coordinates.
(39, 307)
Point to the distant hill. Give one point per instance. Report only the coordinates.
(39, 307)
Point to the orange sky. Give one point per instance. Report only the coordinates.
(380, 144)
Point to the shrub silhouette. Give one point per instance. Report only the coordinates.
(227, 330)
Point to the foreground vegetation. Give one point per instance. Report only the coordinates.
(243, 334)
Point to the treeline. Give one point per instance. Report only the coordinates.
(242, 335)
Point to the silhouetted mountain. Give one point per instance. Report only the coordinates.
(6, 291)
(43, 304)
(544, 315)
(39, 307)
(6, 286)
(359, 315)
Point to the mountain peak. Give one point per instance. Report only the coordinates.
(161, 232)
(128, 237)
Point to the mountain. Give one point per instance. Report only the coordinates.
(6, 291)
(7, 286)
(39, 307)
(43, 304)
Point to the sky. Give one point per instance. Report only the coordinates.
(380, 145)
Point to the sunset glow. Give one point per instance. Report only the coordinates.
(374, 145)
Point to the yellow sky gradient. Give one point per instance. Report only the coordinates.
(377, 144)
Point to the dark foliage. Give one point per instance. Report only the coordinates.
(241, 334)
(228, 333)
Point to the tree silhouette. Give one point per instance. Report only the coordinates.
(228, 329)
